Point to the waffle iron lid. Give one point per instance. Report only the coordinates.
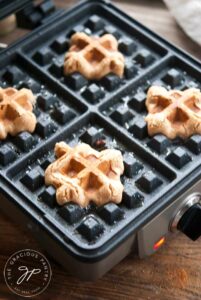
(8, 7)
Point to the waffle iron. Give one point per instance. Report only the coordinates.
(162, 177)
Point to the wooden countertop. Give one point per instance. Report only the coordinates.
(172, 273)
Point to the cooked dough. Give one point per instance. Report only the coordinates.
(16, 111)
(82, 174)
(93, 57)
(173, 113)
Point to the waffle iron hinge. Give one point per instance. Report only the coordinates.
(153, 235)
(34, 15)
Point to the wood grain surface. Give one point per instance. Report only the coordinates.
(174, 273)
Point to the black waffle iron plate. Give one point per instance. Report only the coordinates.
(13, 6)
(107, 113)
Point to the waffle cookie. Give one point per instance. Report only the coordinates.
(173, 113)
(16, 111)
(94, 57)
(82, 174)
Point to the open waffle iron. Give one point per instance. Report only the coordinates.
(161, 178)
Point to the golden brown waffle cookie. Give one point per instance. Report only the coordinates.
(173, 113)
(16, 111)
(82, 174)
(94, 57)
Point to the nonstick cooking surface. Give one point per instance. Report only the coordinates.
(105, 114)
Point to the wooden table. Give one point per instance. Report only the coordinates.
(172, 273)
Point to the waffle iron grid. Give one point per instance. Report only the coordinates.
(73, 109)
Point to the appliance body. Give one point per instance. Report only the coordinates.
(90, 242)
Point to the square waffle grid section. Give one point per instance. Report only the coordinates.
(159, 176)
(92, 226)
(47, 51)
(129, 110)
(54, 109)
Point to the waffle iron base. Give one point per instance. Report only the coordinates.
(157, 171)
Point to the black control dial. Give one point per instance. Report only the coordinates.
(190, 222)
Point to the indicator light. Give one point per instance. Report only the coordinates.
(159, 243)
